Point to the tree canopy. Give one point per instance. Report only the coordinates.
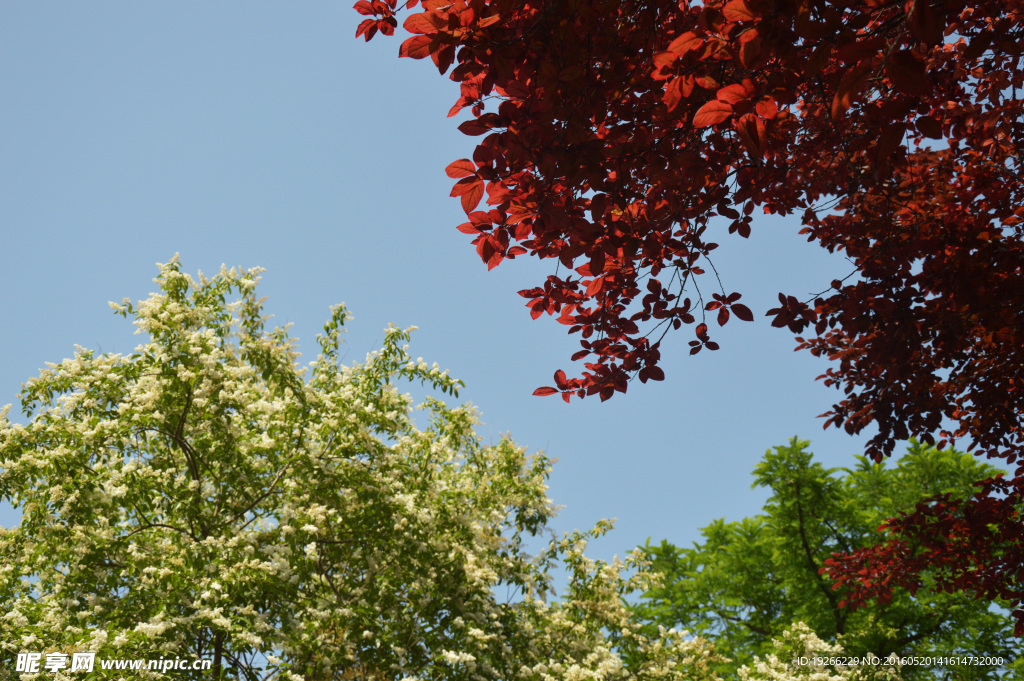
(749, 580)
(624, 140)
(208, 497)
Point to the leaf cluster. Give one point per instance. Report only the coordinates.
(747, 581)
(625, 139)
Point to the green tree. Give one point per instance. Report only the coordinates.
(208, 497)
(749, 580)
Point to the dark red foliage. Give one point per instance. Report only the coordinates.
(971, 546)
(612, 132)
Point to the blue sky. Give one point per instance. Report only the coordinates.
(262, 133)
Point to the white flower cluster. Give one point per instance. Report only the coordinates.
(801, 656)
(206, 496)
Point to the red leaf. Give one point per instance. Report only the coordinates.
(367, 27)
(543, 392)
(849, 87)
(711, 113)
(750, 48)
(907, 72)
(687, 42)
(472, 195)
(443, 58)
(767, 108)
(752, 132)
(677, 89)
(473, 127)
(738, 10)
(365, 8)
(416, 47)
(732, 94)
(728, 211)
(571, 73)
(929, 127)
(860, 50)
(888, 143)
(925, 23)
(560, 380)
(743, 312)
(466, 185)
(424, 22)
(461, 104)
(664, 65)
(461, 168)
(723, 316)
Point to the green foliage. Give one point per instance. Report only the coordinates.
(749, 580)
(207, 497)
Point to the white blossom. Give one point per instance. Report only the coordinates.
(208, 487)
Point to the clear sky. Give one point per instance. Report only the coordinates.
(261, 133)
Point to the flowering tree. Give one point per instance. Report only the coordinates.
(208, 497)
(749, 580)
(623, 139)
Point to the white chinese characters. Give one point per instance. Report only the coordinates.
(29, 663)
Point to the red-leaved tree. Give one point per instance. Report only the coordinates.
(614, 131)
